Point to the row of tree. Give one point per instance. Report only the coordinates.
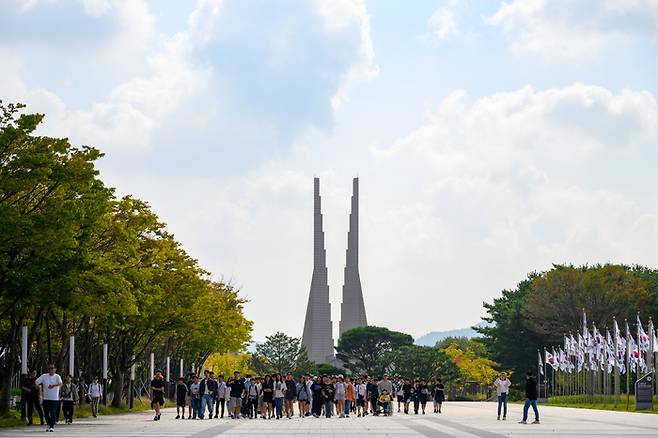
(75, 260)
(546, 306)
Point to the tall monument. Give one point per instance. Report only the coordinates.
(352, 310)
(318, 338)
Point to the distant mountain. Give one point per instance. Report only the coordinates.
(432, 338)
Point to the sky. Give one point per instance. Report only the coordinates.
(491, 138)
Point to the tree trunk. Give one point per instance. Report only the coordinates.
(5, 389)
(117, 386)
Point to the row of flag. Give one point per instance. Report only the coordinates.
(592, 351)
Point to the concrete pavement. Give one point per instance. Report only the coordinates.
(459, 419)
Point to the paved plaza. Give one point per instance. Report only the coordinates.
(467, 420)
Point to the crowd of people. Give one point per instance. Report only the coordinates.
(269, 397)
(275, 396)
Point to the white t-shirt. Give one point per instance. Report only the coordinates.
(279, 389)
(46, 380)
(361, 390)
(502, 386)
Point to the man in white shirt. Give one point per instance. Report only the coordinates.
(50, 383)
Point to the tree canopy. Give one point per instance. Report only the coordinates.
(281, 354)
(361, 347)
(77, 261)
(546, 306)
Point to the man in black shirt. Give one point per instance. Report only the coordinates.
(157, 391)
(373, 394)
(31, 394)
(407, 394)
(181, 394)
(237, 392)
(530, 399)
(316, 391)
(328, 391)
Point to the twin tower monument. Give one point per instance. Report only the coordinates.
(318, 329)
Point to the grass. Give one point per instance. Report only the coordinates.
(13, 417)
(598, 401)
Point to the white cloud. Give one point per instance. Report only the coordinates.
(134, 108)
(338, 15)
(504, 185)
(442, 24)
(568, 28)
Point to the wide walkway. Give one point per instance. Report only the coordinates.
(467, 420)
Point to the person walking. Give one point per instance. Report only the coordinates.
(373, 396)
(530, 399)
(236, 392)
(157, 394)
(268, 397)
(279, 394)
(69, 397)
(439, 392)
(188, 398)
(195, 398)
(206, 393)
(252, 397)
(407, 391)
(221, 396)
(386, 385)
(316, 402)
(51, 383)
(95, 393)
(399, 393)
(181, 395)
(32, 399)
(339, 396)
(349, 396)
(360, 392)
(302, 396)
(422, 394)
(290, 396)
(502, 385)
(328, 393)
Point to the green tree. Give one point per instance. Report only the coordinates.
(412, 361)
(361, 347)
(508, 340)
(279, 353)
(554, 307)
(50, 201)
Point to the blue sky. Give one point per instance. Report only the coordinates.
(492, 138)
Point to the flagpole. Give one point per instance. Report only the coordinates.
(628, 366)
(617, 370)
(639, 353)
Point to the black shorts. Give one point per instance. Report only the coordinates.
(400, 398)
(290, 397)
(180, 401)
(360, 401)
(158, 397)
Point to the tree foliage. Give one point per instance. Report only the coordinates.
(77, 261)
(418, 362)
(546, 306)
(360, 348)
(280, 353)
